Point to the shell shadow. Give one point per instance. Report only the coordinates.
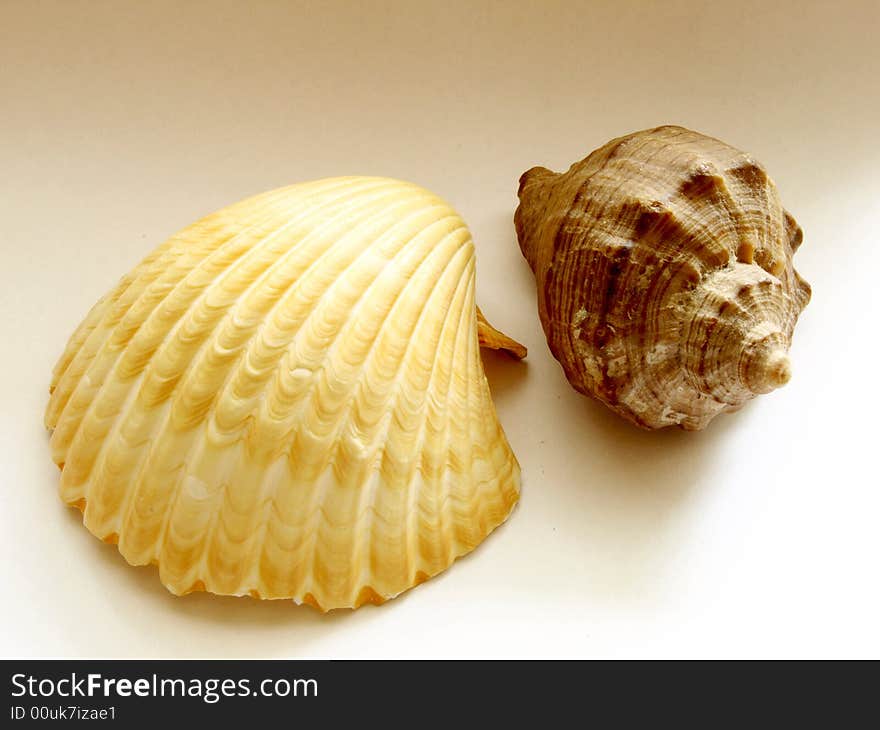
(505, 374)
(622, 497)
(665, 461)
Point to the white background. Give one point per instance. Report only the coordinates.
(758, 537)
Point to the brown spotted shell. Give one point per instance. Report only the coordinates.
(664, 271)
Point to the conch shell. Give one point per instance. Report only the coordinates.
(664, 271)
(286, 399)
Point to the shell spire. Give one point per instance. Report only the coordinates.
(663, 262)
(287, 400)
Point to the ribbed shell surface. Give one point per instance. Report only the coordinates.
(286, 399)
(664, 271)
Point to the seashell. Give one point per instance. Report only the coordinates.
(286, 399)
(663, 264)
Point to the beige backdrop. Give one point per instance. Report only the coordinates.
(121, 122)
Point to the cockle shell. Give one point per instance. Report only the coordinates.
(286, 399)
(664, 271)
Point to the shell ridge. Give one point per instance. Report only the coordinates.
(78, 355)
(281, 348)
(467, 497)
(362, 542)
(181, 254)
(421, 263)
(457, 305)
(86, 488)
(81, 334)
(498, 484)
(150, 265)
(413, 553)
(446, 508)
(282, 299)
(192, 312)
(108, 355)
(411, 529)
(342, 329)
(609, 195)
(108, 380)
(320, 496)
(434, 223)
(161, 435)
(165, 421)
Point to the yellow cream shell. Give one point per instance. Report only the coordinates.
(286, 399)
